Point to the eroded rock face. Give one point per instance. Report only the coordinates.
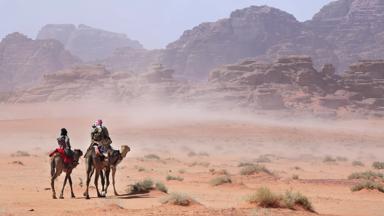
(23, 61)
(96, 83)
(86, 42)
(247, 33)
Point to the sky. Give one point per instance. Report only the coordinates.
(154, 23)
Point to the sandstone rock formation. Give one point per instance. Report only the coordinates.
(86, 42)
(342, 33)
(96, 83)
(23, 61)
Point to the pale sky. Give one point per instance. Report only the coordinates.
(155, 23)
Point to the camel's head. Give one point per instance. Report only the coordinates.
(77, 153)
(124, 149)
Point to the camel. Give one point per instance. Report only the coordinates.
(95, 163)
(57, 167)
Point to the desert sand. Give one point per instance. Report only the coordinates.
(219, 141)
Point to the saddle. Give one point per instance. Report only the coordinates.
(66, 158)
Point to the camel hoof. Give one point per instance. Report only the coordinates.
(116, 194)
(73, 196)
(61, 197)
(87, 197)
(54, 197)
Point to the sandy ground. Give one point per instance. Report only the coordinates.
(294, 147)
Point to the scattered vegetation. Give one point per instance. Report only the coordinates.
(243, 164)
(263, 159)
(219, 172)
(264, 198)
(152, 157)
(329, 159)
(203, 164)
(175, 178)
(369, 185)
(291, 200)
(357, 163)
(297, 168)
(220, 180)
(141, 187)
(177, 199)
(368, 175)
(342, 159)
(378, 165)
(295, 177)
(20, 154)
(267, 199)
(18, 163)
(253, 169)
(161, 187)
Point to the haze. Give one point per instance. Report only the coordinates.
(153, 23)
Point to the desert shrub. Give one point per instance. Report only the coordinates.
(292, 199)
(267, 199)
(177, 199)
(140, 169)
(161, 187)
(203, 154)
(142, 186)
(175, 178)
(369, 185)
(203, 164)
(378, 165)
(343, 159)
(264, 198)
(20, 154)
(220, 180)
(329, 159)
(368, 175)
(263, 159)
(295, 176)
(253, 169)
(297, 168)
(243, 164)
(357, 163)
(152, 157)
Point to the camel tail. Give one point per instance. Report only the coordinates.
(53, 167)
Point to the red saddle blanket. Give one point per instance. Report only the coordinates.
(66, 159)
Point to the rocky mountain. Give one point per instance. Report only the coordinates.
(23, 61)
(342, 33)
(86, 42)
(287, 85)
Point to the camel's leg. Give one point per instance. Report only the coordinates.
(107, 171)
(70, 184)
(97, 174)
(62, 189)
(89, 170)
(53, 185)
(113, 180)
(102, 181)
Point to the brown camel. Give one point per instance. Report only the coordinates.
(58, 166)
(94, 163)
